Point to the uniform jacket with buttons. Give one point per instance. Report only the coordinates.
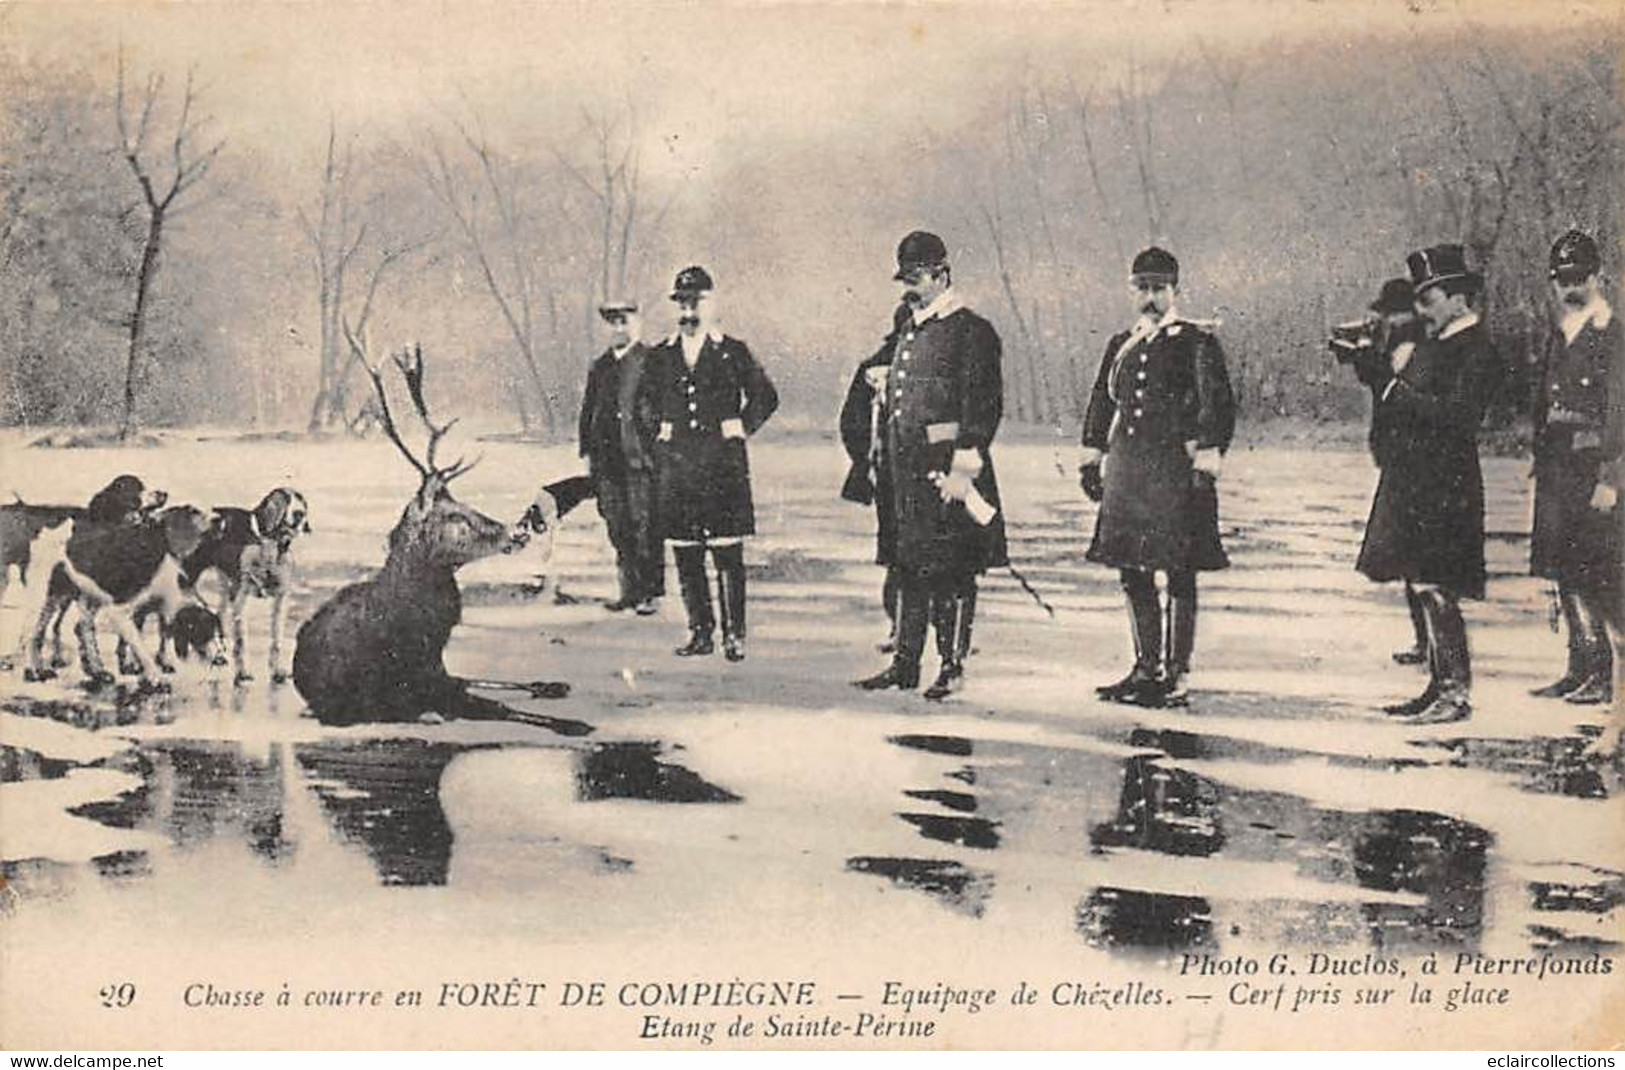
(706, 412)
(1578, 405)
(618, 424)
(945, 398)
(1162, 396)
(1168, 384)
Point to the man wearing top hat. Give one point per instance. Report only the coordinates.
(1578, 450)
(1394, 332)
(617, 433)
(708, 394)
(1159, 420)
(868, 478)
(1427, 522)
(944, 400)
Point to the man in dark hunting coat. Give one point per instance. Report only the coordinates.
(944, 400)
(1578, 460)
(868, 480)
(1396, 325)
(617, 432)
(1427, 522)
(1159, 420)
(709, 394)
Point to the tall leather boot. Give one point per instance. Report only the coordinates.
(1142, 686)
(1413, 706)
(696, 601)
(1454, 663)
(1181, 637)
(1598, 686)
(913, 615)
(650, 569)
(1417, 654)
(626, 575)
(952, 610)
(1574, 623)
(730, 562)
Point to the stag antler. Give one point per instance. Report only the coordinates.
(410, 363)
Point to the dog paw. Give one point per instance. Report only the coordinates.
(167, 667)
(39, 676)
(58, 661)
(6, 665)
(149, 686)
(243, 678)
(279, 677)
(96, 681)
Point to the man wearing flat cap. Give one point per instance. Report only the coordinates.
(1393, 328)
(617, 432)
(709, 394)
(1159, 420)
(1427, 522)
(944, 399)
(1578, 454)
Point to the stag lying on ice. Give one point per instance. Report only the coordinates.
(374, 651)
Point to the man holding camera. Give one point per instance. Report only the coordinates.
(1161, 416)
(1427, 522)
(944, 401)
(1370, 346)
(1578, 448)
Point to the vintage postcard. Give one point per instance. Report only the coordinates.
(779, 526)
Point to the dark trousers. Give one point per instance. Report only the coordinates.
(626, 503)
(945, 601)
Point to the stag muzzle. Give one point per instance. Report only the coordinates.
(517, 539)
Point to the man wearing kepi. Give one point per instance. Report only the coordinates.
(944, 400)
(617, 432)
(1159, 420)
(1578, 452)
(1427, 522)
(709, 394)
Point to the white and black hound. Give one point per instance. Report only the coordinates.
(252, 552)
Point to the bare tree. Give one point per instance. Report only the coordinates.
(1136, 114)
(187, 168)
(497, 246)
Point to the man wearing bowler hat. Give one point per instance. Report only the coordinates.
(1427, 522)
(1395, 327)
(1159, 420)
(709, 394)
(617, 433)
(1578, 452)
(944, 399)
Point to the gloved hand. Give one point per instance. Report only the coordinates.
(1092, 482)
(1604, 497)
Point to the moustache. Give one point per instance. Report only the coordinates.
(688, 321)
(1576, 300)
(911, 298)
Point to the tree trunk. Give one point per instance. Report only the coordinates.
(143, 283)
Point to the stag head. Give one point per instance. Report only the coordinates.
(435, 529)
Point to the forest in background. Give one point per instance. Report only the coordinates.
(1290, 176)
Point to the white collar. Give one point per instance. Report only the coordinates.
(623, 350)
(946, 303)
(1145, 325)
(1595, 312)
(711, 334)
(1459, 324)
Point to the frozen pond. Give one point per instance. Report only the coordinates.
(727, 808)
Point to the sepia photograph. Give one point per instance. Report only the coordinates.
(819, 526)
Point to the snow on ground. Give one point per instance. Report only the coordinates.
(727, 808)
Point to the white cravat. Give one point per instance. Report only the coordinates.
(1595, 311)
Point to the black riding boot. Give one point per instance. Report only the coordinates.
(730, 562)
(1413, 706)
(1598, 687)
(1574, 623)
(696, 600)
(626, 574)
(1143, 685)
(1452, 661)
(952, 609)
(913, 615)
(1417, 654)
(1181, 637)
